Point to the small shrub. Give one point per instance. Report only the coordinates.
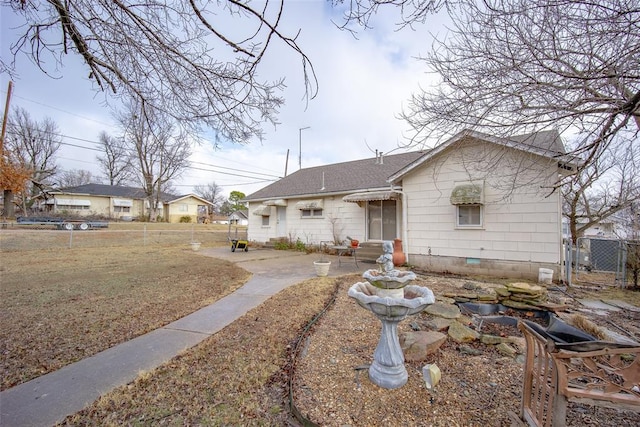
(300, 246)
(281, 246)
(185, 218)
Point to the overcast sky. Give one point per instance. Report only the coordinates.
(363, 85)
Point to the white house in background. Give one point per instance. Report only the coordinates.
(118, 202)
(239, 218)
(476, 204)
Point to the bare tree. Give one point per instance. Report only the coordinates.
(34, 145)
(211, 192)
(632, 221)
(73, 178)
(191, 60)
(609, 185)
(360, 12)
(508, 67)
(161, 152)
(116, 162)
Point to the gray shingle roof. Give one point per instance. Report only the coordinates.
(342, 177)
(548, 140)
(367, 174)
(111, 191)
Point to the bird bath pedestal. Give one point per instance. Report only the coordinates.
(389, 297)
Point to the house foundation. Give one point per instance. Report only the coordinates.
(483, 267)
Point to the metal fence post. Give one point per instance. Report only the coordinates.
(70, 237)
(621, 274)
(568, 260)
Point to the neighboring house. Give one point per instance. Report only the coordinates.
(602, 229)
(239, 218)
(189, 205)
(117, 202)
(475, 204)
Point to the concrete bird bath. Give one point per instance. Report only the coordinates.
(390, 296)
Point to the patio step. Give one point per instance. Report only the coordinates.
(369, 251)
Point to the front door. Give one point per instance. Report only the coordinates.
(281, 221)
(381, 219)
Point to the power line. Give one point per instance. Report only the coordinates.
(240, 170)
(100, 150)
(105, 124)
(187, 167)
(61, 110)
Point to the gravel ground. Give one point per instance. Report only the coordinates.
(479, 386)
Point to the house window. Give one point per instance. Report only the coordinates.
(265, 221)
(72, 207)
(122, 209)
(183, 207)
(469, 215)
(311, 213)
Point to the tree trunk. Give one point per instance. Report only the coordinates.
(9, 211)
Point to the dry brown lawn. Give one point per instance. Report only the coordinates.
(59, 306)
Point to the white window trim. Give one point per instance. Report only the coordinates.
(312, 213)
(469, 226)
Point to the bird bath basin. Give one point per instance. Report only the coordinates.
(394, 279)
(389, 295)
(413, 299)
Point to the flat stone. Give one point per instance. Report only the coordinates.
(467, 295)
(506, 349)
(438, 323)
(461, 334)
(417, 345)
(445, 300)
(448, 311)
(525, 288)
(492, 297)
(493, 339)
(503, 292)
(519, 305)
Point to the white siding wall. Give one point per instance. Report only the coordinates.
(521, 225)
(349, 221)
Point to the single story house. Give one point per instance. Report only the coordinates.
(476, 204)
(119, 202)
(239, 217)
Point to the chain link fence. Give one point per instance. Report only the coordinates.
(600, 261)
(19, 238)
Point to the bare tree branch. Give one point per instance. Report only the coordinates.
(183, 58)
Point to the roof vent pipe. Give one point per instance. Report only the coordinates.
(381, 161)
(376, 156)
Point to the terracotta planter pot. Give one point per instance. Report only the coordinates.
(355, 243)
(399, 258)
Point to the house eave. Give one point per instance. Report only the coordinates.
(316, 195)
(505, 142)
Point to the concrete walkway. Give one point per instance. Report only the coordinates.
(48, 399)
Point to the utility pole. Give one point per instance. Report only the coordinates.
(6, 114)
(286, 163)
(300, 145)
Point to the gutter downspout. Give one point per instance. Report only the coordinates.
(405, 221)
